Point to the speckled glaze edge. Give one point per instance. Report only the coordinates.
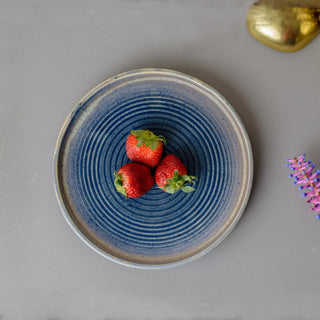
(59, 196)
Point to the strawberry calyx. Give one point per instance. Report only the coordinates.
(147, 138)
(178, 182)
(118, 183)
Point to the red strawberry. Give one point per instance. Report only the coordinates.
(171, 175)
(145, 147)
(133, 180)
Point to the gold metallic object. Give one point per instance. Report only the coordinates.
(284, 25)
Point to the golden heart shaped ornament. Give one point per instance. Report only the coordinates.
(286, 26)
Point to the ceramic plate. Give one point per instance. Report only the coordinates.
(158, 229)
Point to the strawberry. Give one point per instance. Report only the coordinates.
(133, 180)
(145, 147)
(171, 175)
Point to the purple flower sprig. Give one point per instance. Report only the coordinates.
(307, 179)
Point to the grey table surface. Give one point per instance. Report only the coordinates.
(52, 53)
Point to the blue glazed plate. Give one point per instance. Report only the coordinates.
(158, 229)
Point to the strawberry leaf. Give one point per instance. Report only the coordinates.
(147, 138)
(153, 144)
(140, 143)
(178, 182)
(118, 184)
(168, 188)
(187, 189)
(189, 179)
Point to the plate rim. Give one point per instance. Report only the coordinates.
(62, 132)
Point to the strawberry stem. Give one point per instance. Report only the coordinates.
(148, 138)
(178, 182)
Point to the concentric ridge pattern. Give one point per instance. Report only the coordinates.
(157, 224)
